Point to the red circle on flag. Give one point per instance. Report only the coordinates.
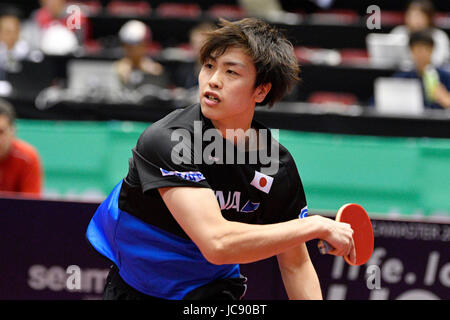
(262, 182)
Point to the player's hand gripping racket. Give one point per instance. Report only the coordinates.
(357, 218)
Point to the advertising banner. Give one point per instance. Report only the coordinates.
(46, 256)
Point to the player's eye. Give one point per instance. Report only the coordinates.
(208, 65)
(232, 72)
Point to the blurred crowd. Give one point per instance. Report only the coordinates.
(59, 28)
(429, 51)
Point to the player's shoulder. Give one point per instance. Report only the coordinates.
(24, 150)
(278, 151)
(161, 135)
(177, 119)
(286, 157)
(286, 168)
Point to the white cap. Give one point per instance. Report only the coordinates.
(58, 40)
(133, 32)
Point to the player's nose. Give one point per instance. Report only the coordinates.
(215, 81)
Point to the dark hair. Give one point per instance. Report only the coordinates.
(426, 7)
(423, 36)
(6, 109)
(271, 52)
(9, 10)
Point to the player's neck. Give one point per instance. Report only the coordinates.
(236, 126)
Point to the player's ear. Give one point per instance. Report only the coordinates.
(261, 91)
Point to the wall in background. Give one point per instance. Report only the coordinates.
(406, 176)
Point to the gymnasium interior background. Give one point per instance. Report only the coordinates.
(347, 149)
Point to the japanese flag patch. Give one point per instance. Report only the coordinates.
(262, 182)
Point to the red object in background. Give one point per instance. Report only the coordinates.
(44, 20)
(304, 54)
(89, 7)
(128, 8)
(337, 16)
(179, 10)
(21, 170)
(226, 11)
(392, 18)
(354, 56)
(154, 48)
(442, 19)
(324, 97)
(92, 46)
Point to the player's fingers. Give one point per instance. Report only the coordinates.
(352, 254)
(337, 252)
(346, 244)
(351, 243)
(334, 252)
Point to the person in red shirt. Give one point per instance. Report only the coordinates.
(20, 164)
(59, 16)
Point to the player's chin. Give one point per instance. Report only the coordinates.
(212, 113)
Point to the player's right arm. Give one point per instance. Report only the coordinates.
(227, 242)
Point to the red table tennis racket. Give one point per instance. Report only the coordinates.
(357, 218)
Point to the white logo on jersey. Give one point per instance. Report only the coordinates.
(262, 182)
(303, 212)
(195, 176)
(233, 202)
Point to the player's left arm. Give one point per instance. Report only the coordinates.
(297, 271)
(298, 274)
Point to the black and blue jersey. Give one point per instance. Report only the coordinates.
(134, 229)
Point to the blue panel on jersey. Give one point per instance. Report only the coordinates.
(250, 206)
(151, 260)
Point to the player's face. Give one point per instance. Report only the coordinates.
(421, 54)
(227, 92)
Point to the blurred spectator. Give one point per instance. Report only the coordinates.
(20, 164)
(55, 29)
(187, 75)
(266, 9)
(13, 49)
(324, 4)
(419, 16)
(435, 81)
(271, 10)
(136, 69)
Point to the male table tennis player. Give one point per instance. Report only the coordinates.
(180, 230)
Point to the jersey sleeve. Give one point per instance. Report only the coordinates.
(295, 204)
(165, 158)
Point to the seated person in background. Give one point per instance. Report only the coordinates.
(20, 164)
(48, 27)
(265, 9)
(136, 68)
(12, 48)
(435, 81)
(420, 16)
(187, 74)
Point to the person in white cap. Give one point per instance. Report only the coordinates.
(136, 67)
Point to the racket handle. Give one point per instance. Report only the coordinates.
(324, 247)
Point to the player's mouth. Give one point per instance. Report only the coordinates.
(211, 98)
